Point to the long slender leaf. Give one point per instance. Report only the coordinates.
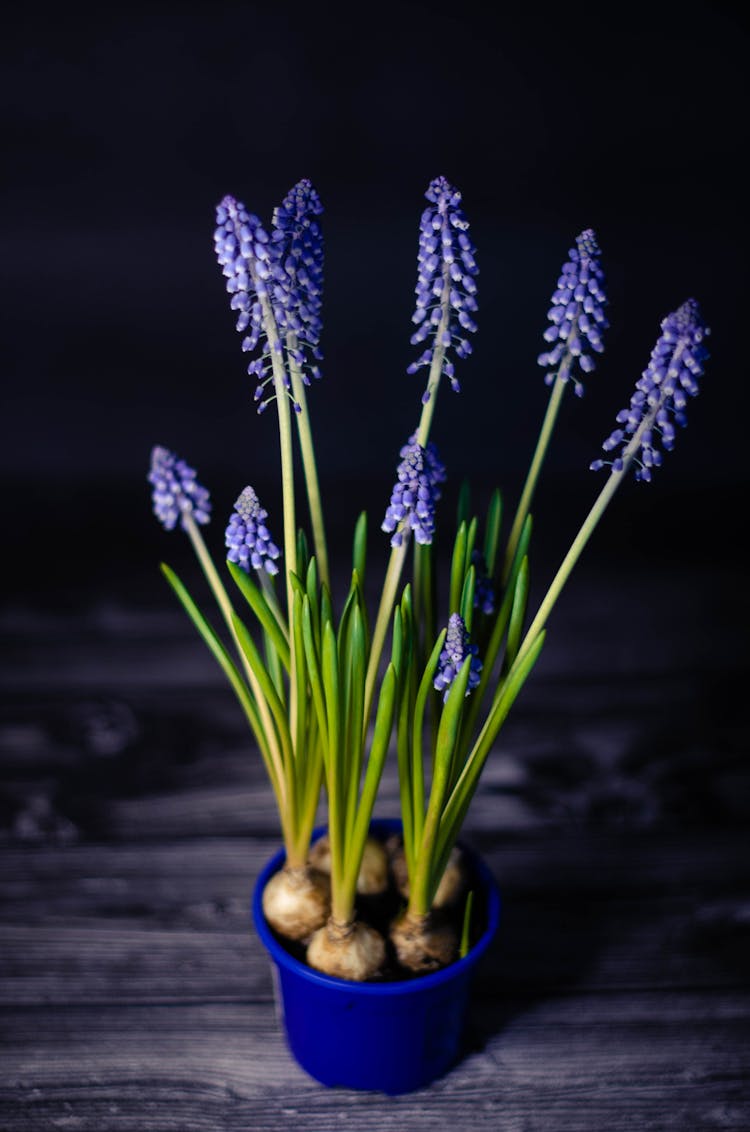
(458, 568)
(314, 672)
(498, 632)
(466, 605)
(336, 766)
(279, 635)
(265, 684)
(518, 613)
(462, 793)
(492, 531)
(359, 550)
(425, 880)
(228, 666)
(378, 751)
(464, 503)
(355, 710)
(417, 770)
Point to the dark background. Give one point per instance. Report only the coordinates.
(133, 815)
(124, 126)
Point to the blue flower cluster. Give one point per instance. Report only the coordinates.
(577, 313)
(455, 651)
(661, 394)
(445, 286)
(243, 250)
(248, 537)
(415, 493)
(287, 269)
(298, 244)
(176, 493)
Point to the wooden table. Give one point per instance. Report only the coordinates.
(615, 813)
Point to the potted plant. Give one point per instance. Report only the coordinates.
(374, 928)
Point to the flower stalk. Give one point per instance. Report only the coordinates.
(309, 678)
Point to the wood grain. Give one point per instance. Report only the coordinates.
(615, 815)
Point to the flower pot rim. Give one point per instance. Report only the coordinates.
(416, 985)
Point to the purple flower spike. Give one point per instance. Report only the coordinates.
(445, 287)
(577, 314)
(248, 538)
(176, 493)
(298, 287)
(455, 651)
(415, 494)
(244, 255)
(250, 262)
(661, 393)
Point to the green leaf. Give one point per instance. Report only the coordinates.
(314, 673)
(354, 711)
(518, 613)
(359, 554)
(498, 631)
(265, 683)
(466, 605)
(464, 503)
(381, 737)
(458, 569)
(228, 666)
(336, 769)
(303, 552)
(300, 679)
(417, 770)
(259, 606)
(492, 531)
(426, 878)
(463, 791)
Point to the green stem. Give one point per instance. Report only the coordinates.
(287, 484)
(285, 444)
(387, 601)
(587, 529)
(225, 605)
(436, 367)
(524, 504)
(310, 467)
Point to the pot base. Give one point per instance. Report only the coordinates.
(392, 1037)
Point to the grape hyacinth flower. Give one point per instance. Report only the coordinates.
(176, 493)
(248, 537)
(297, 293)
(455, 651)
(445, 287)
(661, 394)
(577, 314)
(415, 493)
(250, 262)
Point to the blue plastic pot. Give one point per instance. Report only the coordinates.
(393, 1037)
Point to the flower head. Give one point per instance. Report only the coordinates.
(297, 293)
(415, 493)
(250, 263)
(245, 256)
(176, 493)
(455, 651)
(577, 314)
(661, 394)
(445, 287)
(247, 536)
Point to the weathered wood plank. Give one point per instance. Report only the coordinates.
(563, 1064)
(172, 921)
